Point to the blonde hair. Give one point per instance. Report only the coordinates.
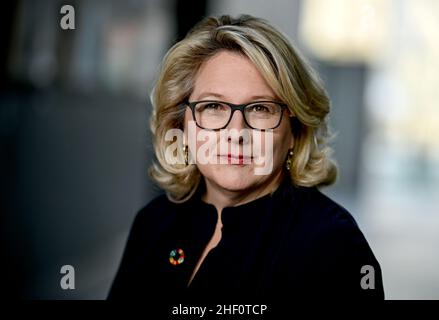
(289, 76)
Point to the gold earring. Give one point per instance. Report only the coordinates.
(186, 154)
(289, 159)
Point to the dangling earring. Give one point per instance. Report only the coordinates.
(289, 159)
(186, 154)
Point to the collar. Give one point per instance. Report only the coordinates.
(254, 215)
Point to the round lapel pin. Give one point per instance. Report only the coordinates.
(176, 257)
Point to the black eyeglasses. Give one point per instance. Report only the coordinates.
(216, 115)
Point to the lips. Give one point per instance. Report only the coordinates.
(237, 159)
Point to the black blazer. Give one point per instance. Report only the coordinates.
(294, 243)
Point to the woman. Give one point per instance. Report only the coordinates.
(245, 218)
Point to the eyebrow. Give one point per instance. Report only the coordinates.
(220, 96)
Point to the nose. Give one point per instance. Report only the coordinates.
(238, 123)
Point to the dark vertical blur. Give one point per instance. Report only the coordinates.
(187, 16)
(7, 16)
(11, 266)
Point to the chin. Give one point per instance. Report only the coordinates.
(232, 178)
(235, 184)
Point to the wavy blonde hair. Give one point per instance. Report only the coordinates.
(289, 76)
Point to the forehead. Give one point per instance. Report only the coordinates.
(232, 76)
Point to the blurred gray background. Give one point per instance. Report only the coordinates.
(75, 144)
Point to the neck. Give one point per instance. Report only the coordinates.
(222, 198)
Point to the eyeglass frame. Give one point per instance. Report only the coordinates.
(234, 108)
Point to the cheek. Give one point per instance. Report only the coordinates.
(278, 143)
(206, 147)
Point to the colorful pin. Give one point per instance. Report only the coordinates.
(176, 257)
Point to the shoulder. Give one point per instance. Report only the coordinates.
(158, 205)
(331, 244)
(329, 230)
(155, 215)
(321, 213)
(148, 226)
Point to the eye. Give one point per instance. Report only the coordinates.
(212, 106)
(259, 108)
